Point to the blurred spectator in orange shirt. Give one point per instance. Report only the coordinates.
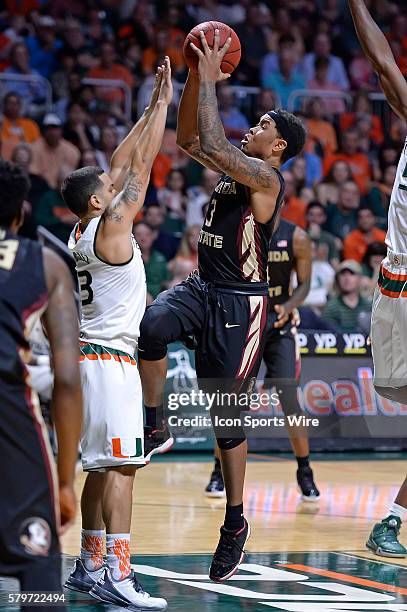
(109, 69)
(356, 243)
(294, 209)
(320, 130)
(15, 129)
(162, 46)
(362, 107)
(358, 162)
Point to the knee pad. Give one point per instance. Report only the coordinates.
(158, 328)
(229, 443)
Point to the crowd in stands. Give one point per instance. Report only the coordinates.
(338, 189)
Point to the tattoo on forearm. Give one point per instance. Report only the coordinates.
(218, 149)
(132, 188)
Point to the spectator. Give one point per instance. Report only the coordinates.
(357, 241)
(76, 129)
(255, 38)
(88, 158)
(51, 211)
(234, 122)
(342, 217)
(336, 72)
(375, 253)
(328, 190)
(311, 164)
(186, 259)
(51, 153)
(378, 198)
(346, 310)
(320, 131)
(270, 62)
(107, 145)
(265, 101)
(285, 81)
(162, 46)
(109, 69)
(322, 277)
(294, 208)
(316, 219)
(22, 155)
(199, 197)
(362, 108)
(358, 162)
(361, 72)
(15, 128)
(165, 243)
(43, 46)
(154, 262)
(173, 198)
(322, 82)
(76, 44)
(31, 92)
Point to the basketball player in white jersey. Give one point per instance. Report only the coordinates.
(113, 298)
(389, 311)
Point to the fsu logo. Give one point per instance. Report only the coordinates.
(35, 536)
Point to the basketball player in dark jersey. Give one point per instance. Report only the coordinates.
(289, 251)
(224, 307)
(36, 504)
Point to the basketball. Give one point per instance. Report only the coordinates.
(231, 58)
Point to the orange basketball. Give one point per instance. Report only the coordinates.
(231, 58)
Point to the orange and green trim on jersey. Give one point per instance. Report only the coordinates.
(93, 352)
(392, 285)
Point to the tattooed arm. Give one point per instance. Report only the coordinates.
(379, 53)
(113, 242)
(187, 124)
(61, 323)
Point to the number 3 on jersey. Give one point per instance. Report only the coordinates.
(85, 284)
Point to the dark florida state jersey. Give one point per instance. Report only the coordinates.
(281, 262)
(23, 297)
(233, 246)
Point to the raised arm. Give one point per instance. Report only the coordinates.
(187, 124)
(378, 51)
(61, 323)
(119, 163)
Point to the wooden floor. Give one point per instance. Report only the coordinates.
(172, 516)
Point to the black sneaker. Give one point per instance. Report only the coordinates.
(216, 486)
(229, 553)
(156, 442)
(82, 580)
(307, 486)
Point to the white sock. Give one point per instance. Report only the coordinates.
(118, 554)
(399, 511)
(92, 541)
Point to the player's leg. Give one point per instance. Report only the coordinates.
(283, 363)
(389, 318)
(216, 485)
(228, 358)
(177, 314)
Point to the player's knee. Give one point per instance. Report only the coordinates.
(392, 393)
(158, 328)
(229, 443)
(288, 398)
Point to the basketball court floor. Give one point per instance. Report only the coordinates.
(301, 557)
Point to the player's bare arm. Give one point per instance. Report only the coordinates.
(187, 124)
(61, 323)
(379, 53)
(119, 163)
(256, 173)
(113, 240)
(303, 266)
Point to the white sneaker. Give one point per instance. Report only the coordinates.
(127, 593)
(82, 580)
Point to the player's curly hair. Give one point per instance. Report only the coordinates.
(79, 186)
(298, 135)
(14, 186)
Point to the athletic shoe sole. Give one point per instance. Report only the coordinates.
(215, 494)
(311, 499)
(160, 450)
(234, 570)
(383, 553)
(107, 597)
(78, 587)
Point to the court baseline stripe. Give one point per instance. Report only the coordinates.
(368, 559)
(345, 578)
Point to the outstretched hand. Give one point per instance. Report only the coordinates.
(166, 89)
(157, 85)
(210, 60)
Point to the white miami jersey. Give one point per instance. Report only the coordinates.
(396, 238)
(113, 297)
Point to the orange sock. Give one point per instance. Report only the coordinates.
(118, 554)
(92, 548)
